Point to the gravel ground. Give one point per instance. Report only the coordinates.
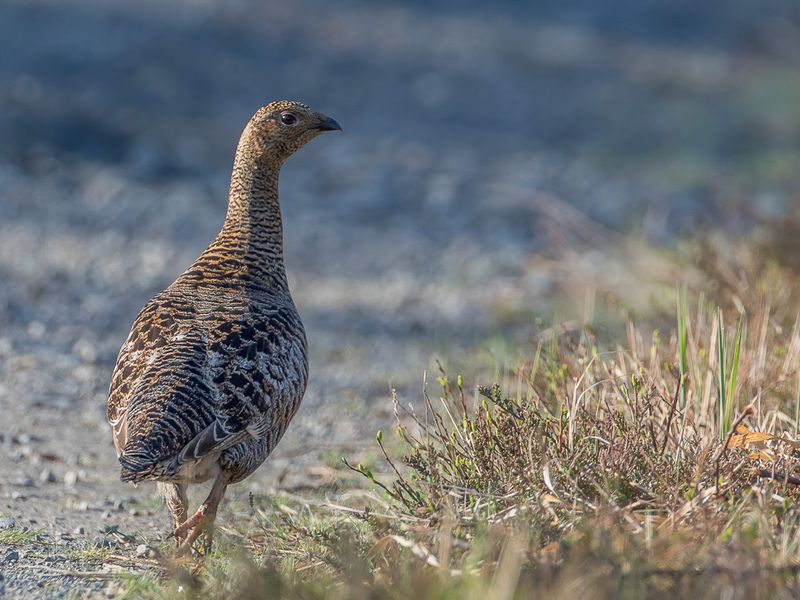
(470, 137)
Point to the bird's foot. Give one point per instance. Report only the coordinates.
(179, 538)
(177, 532)
(187, 533)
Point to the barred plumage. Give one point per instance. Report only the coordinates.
(215, 366)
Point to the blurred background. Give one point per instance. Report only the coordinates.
(483, 144)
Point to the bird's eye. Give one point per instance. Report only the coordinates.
(288, 118)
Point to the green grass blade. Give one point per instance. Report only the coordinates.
(683, 363)
(721, 372)
(734, 373)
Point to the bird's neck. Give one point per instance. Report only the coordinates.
(253, 231)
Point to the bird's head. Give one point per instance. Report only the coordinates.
(281, 128)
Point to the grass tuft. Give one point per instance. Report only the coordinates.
(18, 537)
(659, 463)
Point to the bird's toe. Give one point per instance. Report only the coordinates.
(199, 523)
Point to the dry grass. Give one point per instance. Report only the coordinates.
(597, 468)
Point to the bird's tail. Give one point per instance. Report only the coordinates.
(136, 466)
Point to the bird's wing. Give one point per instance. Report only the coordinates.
(187, 385)
(252, 363)
(155, 324)
(214, 438)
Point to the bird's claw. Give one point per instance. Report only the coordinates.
(187, 533)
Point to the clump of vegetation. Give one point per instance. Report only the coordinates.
(17, 537)
(664, 464)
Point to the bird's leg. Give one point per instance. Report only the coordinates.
(175, 496)
(203, 519)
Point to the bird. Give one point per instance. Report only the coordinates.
(215, 366)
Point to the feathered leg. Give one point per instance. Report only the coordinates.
(202, 520)
(175, 496)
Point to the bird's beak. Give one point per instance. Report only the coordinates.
(327, 124)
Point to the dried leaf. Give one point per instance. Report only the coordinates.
(746, 437)
(761, 456)
(547, 499)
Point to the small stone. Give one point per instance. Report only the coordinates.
(82, 506)
(106, 514)
(11, 556)
(7, 522)
(23, 481)
(70, 478)
(119, 505)
(145, 551)
(133, 512)
(103, 542)
(55, 558)
(79, 531)
(47, 476)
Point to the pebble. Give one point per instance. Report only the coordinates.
(145, 551)
(23, 481)
(7, 522)
(11, 556)
(70, 478)
(79, 531)
(47, 476)
(55, 558)
(104, 542)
